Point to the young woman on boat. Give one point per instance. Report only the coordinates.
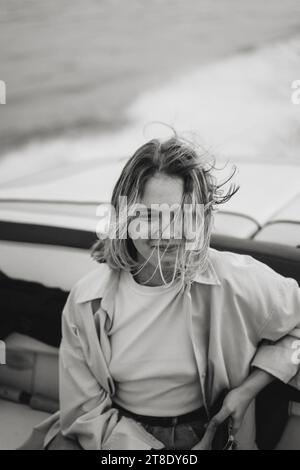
(165, 325)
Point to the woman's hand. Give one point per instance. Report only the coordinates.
(238, 399)
(235, 406)
(207, 439)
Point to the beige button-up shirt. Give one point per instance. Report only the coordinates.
(232, 307)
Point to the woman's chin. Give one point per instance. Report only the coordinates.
(168, 262)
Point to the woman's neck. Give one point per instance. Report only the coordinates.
(150, 276)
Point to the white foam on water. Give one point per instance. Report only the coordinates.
(239, 107)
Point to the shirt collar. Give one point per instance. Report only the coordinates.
(96, 284)
(102, 283)
(209, 276)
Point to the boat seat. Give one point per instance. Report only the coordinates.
(16, 423)
(31, 366)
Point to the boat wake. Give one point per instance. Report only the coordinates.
(240, 108)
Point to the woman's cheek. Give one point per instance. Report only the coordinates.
(138, 229)
(141, 247)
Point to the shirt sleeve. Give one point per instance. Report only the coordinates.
(279, 352)
(86, 411)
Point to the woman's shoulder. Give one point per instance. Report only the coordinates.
(249, 278)
(94, 284)
(240, 267)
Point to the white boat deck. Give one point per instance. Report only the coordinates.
(17, 422)
(70, 198)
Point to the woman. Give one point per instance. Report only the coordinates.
(165, 324)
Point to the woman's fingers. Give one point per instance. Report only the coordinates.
(225, 413)
(206, 441)
(220, 417)
(235, 424)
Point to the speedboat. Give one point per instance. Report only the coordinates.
(47, 225)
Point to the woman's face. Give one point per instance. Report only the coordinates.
(161, 242)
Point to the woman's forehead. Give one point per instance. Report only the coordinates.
(163, 189)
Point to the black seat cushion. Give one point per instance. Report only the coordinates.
(32, 309)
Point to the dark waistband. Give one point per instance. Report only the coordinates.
(198, 414)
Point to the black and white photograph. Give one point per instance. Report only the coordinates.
(149, 227)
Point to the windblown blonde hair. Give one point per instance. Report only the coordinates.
(175, 157)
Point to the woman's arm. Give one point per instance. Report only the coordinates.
(256, 382)
(278, 353)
